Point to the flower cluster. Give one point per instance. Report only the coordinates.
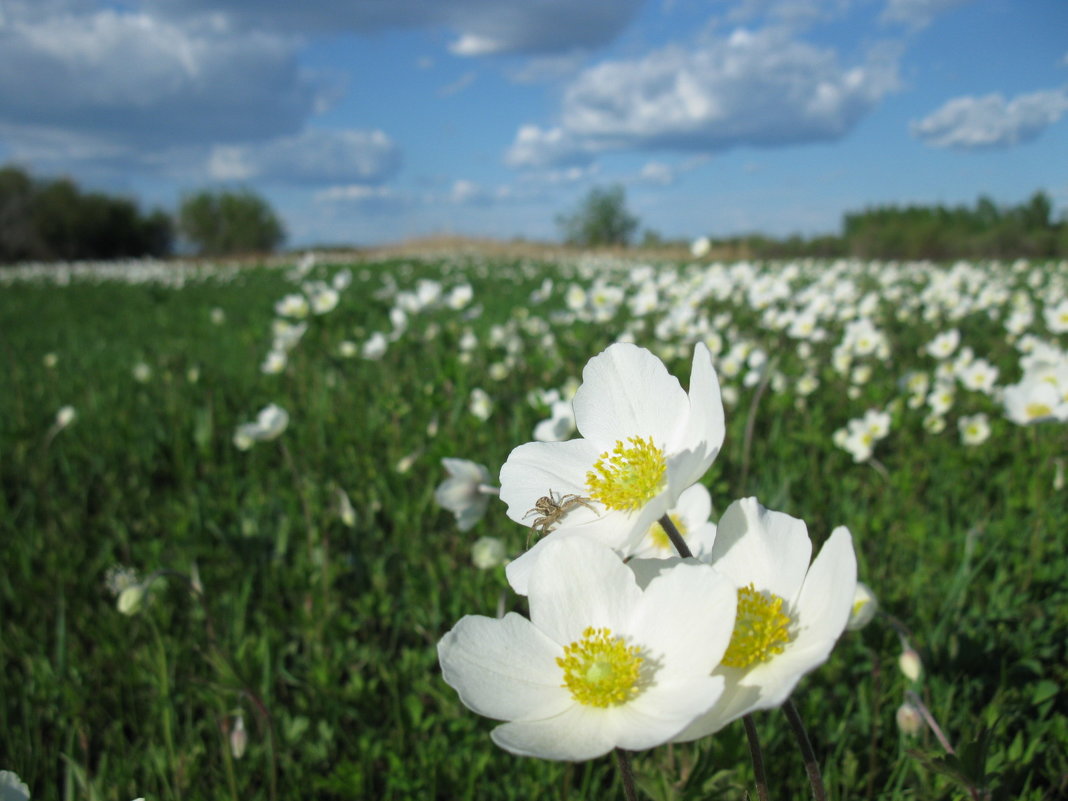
(629, 643)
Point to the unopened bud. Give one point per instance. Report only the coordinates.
(65, 416)
(487, 552)
(345, 510)
(130, 599)
(910, 664)
(864, 608)
(909, 719)
(238, 738)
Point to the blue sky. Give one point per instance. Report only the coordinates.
(369, 121)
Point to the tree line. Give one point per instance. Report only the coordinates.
(985, 231)
(54, 220)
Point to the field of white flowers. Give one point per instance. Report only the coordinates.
(257, 541)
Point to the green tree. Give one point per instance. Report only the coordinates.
(223, 222)
(601, 219)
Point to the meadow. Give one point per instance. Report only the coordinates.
(198, 601)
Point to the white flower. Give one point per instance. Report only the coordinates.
(142, 373)
(324, 299)
(218, 316)
(601, 663)
(690, 517)
(559, 426)
(480, 404)
(488, 552)
(865, 605)
(293, 305)
(790, 614)
(974, 429)
(274, 363)
(269, 424)
(700, 247)
(64, 417)
(375, 347)
(943, 345)
(466, 492)
(644, 441)
(1042, 394)
(12, 788)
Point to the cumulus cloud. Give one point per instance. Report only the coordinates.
(481, 27)
(751, 88)
(991, 121)
(311, 157)
(131, 77)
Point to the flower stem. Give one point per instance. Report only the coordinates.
(627, 774)
(812, 767)
(758, 758)
(675, 537)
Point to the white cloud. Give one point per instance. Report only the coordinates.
(917, 14)
(550, 147)
(968, 123)
(312, 157)
(482, 27)
(657, 172)
(135, 78)
(751, 88)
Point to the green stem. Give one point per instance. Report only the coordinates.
(812, 767)
(167, 712)
(626, 774)
(758, 758)
(675, 537)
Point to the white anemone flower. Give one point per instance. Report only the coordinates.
(790, 614)
(601, 663)
(466, 492)
(690, 517)
(12, 788)
(644, 440)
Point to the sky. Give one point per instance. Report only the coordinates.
(371, 121)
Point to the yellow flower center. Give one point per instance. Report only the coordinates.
(659, 536)
(1036, 410)
(601, 670)
(760, 629)
(629, 476)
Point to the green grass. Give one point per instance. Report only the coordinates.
(323, 636)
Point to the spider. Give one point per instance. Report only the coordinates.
(551, 508)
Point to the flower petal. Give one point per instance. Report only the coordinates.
(769, 549)
(504, 669)
(577, 583)
(578, 733)
(684, 620)
(627, 391)
(535, 469)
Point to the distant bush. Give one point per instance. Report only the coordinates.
(601, 219)
(223, 223)
(50, 220)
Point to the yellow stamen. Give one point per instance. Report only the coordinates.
(627, 478)
(1036, 410)
(659, 536)
(761, 630)
(601, 670)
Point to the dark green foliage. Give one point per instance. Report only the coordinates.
(50, 220)
(601, 219)
(224, 223)
(986, 231)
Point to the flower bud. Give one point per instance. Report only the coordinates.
(487, 552)
(130, 599)
(910, 664)
(865, 605)
(909, 719)
(65, 416)
(238, 738)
